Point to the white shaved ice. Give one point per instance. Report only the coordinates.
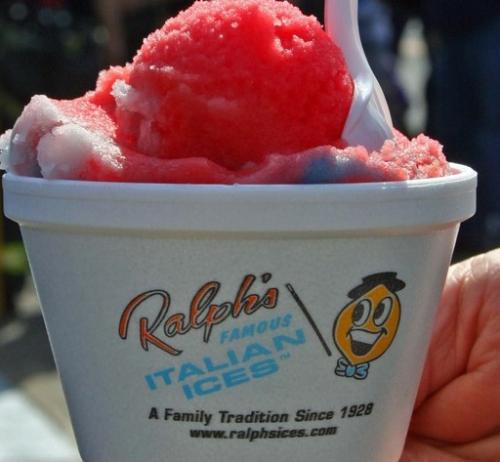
(45, 142)
(63, 152)
(5, 150)
(18, 146)
(129, 99)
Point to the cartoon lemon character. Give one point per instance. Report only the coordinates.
(366, 327)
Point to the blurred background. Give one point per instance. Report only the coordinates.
(437, 61)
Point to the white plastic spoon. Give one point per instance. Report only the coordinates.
(369, 121)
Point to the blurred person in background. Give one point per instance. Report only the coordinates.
(464, 101)
(463, 98)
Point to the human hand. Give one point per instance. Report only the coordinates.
(457, 413)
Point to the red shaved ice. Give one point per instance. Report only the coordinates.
(233, 81)
(229, 91)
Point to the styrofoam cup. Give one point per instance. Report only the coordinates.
(223, 323)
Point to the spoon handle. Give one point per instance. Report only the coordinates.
(341, 23)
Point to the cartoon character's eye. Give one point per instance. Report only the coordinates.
(361, 312)
(382, 311)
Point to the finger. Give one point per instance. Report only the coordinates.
(465, 410)
(458, 398)
(419, 451)
(442, 364)
(487, 450)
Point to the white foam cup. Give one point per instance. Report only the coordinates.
(247, 323)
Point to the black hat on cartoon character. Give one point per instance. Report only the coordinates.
(388, 279)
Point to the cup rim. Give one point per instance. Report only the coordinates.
(191, 207)
(461, 173)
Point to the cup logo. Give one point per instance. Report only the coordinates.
(239, 353)
(366, 327)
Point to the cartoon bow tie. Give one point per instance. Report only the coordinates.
(345, 369)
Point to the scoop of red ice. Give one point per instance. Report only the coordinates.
(233, 81)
